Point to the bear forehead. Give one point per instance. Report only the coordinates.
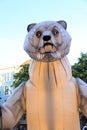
(47, 24)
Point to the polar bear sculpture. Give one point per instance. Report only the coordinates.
(52, 97)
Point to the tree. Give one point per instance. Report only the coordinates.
(21, 76)
(79, 69)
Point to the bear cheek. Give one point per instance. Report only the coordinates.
(35, 42)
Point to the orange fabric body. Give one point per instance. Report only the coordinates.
(51, 99)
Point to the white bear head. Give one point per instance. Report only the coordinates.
(47, 41)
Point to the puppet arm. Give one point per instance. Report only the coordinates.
(13, 108)
(82, 88)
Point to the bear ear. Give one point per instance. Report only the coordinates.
(63, 23)
(30, 26)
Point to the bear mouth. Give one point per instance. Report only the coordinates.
(48, 52)
(47, 48)
(47, 44)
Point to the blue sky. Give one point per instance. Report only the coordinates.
(15, 15)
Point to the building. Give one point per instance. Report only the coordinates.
(6, 80)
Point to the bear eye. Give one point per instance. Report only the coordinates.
(55, 32)
(38, 34)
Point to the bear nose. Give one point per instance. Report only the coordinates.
(46, 37)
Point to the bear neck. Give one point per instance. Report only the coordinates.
(50, 75)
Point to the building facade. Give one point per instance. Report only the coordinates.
(6, 81)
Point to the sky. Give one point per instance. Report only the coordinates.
(15, 15)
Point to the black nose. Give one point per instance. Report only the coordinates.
(46, 38)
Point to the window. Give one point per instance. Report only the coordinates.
(7, 77)
(0, 90)
(6, 90)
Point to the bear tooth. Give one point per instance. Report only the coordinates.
(42, 50)
(53, 49)
(48, 48)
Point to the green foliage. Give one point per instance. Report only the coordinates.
(21, 76)
(79, 69)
